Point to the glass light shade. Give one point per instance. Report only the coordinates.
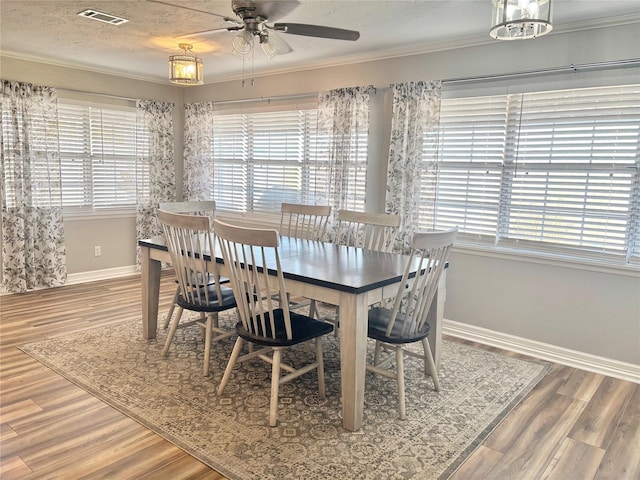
(269, 49)
(520, 19)
(185, 70)
(242, 44)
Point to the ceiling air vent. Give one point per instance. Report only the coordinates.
(103, 17)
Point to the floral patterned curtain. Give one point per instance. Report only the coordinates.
(198, 138)
(343, 115)
(33, 251)
(156, 172)
(414, 131)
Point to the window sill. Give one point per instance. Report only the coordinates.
(556, 260)
(98, 214)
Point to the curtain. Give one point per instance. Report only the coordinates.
(155, 171)
(198, 159)
(412, 153)
(33, 251)
(343, 118)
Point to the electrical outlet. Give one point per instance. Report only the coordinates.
(97, 251)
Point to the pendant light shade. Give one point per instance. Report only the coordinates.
(186, 69)
(520, 19)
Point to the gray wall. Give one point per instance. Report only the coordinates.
(578, 307)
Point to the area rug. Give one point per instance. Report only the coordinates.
(230, 433)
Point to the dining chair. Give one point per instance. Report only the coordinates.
(371, 231)
(199, 207)
(307, 222)
(263, 321)
(304, 221)
(188, 238)
(406, 322)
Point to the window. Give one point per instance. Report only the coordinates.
(264, 159)
(99, 151)
(41, 145)
(553, 171)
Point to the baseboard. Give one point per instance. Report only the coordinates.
(105, 274)
(544, 351)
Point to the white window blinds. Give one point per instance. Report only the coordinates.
(263, 159)
(472, 137)
(42, 139)
(99, 148)
(554, 171)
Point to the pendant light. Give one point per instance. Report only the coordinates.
(185, 69)
(520, 19)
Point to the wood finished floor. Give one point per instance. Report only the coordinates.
(573, 425)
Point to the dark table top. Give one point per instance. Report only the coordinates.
(337, 267)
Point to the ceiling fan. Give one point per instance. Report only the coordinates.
(251, 22)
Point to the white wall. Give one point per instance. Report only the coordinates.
(575, 307)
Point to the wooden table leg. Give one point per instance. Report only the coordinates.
(353, 351)
(150, 279)
(435, 316)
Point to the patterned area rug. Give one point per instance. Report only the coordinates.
(230, 433)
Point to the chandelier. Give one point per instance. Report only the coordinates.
(520, 19)
(185, 69)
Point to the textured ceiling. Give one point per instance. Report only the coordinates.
(52, 31)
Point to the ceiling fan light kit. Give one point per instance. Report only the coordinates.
(252, 17)
(186, 69)
(520, 19)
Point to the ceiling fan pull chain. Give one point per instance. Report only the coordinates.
(252, 63)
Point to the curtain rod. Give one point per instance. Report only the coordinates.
(117, 97)
(267, 99)
(570, 68)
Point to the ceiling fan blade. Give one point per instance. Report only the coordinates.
(211, 32)
(317, 31)
(266, 8)
(224, 17)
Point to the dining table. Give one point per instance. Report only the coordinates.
(351, 278)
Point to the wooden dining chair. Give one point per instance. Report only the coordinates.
(304, 221)
(188, 238)
(308, 222)
(199, 207)
(264, 321)
(371, 231)
(406, 322)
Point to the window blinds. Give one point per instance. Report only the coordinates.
(99, 148)
(32, 178)
(263, 159)
(548, 170)
(469, 170)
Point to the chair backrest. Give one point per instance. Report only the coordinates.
(245, 252)
(373, 231)
(304, 221)
(188, 237)
(431, 251)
